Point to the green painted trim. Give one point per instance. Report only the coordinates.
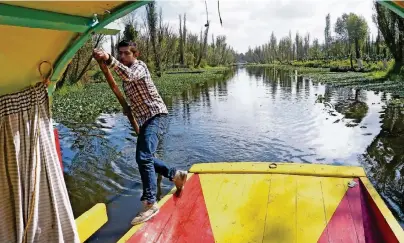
(65, 58)
(393, 7)
(33, 18)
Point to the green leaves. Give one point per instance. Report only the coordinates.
(84, 103)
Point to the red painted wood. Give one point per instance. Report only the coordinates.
(324, 236)
(56, 134)
(176, 217)
(341, 227)
(198, 224)
(354, 197)
(375, 225)
(182, 210)
(151, 230)
(357, 219)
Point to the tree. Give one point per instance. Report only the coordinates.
(130, 34)
(306, 45)
(353, 29)
(203, 45)
(181, 42)
(315, 49)
(327, 34)
(152, 19)
(82, 61)
(113, 52)
(392, 28)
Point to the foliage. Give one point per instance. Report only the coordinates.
(392, 27)
(352, 29)
(81, 62)
(130, 34)
(152, 20)
(83, 103)
(177, 49)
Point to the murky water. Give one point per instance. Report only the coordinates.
(257, 115)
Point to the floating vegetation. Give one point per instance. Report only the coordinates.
(84, 103)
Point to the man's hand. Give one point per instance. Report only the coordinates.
(100, 55)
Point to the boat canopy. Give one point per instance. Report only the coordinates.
(396, 6)
(34, 32)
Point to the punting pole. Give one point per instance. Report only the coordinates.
(118, 94)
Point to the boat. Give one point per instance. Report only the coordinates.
(221, 202)
(271, 202)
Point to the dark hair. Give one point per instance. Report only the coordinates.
(131, 44)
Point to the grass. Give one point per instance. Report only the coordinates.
(374, 78)
(173, 84)
(84, 103)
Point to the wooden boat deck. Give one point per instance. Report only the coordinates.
(250, 202)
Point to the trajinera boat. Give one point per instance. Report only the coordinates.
(221, 202)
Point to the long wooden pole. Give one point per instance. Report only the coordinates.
(118, 94)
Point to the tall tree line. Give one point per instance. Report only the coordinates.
(350, 39)
(162, 47)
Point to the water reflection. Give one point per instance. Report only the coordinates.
(384, 159)
(353, 109)
(254, 114)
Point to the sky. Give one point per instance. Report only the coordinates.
(250, 22)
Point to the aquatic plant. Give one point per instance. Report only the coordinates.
(84, 103)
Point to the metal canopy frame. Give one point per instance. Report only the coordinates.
(85, 27)
(393, 6)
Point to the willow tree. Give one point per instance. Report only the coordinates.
(152, 20)
(352, 29)
(392, 28)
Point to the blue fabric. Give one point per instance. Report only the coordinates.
(147, 143)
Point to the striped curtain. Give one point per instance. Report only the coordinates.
(34, 203)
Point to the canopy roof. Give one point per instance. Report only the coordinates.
(33, 32)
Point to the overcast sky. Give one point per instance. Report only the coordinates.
(250, 22)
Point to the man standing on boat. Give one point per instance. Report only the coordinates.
(151, 114)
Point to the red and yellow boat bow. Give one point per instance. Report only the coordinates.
(264, 202)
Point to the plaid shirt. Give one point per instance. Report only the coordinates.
(139, 88)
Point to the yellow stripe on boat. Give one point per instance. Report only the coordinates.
(281, 168)
(91, 221)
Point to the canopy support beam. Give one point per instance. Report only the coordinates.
(393, 7)
(34, 18)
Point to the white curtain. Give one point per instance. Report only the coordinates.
(34, 203)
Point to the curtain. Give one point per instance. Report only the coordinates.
(34, 202)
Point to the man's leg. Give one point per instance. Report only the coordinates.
(179, 177)
(144, 159)
(148, 166)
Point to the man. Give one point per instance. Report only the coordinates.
(151, 115)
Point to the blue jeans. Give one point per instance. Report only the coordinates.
(147, 143)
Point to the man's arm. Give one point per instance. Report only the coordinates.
(126, 74)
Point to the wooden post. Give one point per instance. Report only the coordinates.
(118, 94)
